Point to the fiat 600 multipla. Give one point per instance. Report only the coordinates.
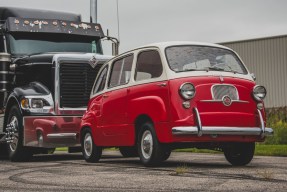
(165, 96)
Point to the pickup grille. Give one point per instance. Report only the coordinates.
(219, 91)
(76, 81)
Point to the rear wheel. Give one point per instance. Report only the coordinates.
(151, 152)
(239, 154)
(14, 131)
(129, 151)
(91, 152)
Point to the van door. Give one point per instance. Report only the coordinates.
(114, 106)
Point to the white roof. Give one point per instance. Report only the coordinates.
(163, 45)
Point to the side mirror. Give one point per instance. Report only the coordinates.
(115, 49)
(253, 76)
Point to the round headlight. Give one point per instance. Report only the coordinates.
(259, 92)
(187, 91)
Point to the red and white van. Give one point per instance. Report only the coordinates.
(151, 100)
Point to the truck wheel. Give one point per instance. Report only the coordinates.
(151, 152)
(16, 150)
(129, 151)
(91, 152)
(239, 154)
(3, 151)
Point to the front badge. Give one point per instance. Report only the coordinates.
(226, 100)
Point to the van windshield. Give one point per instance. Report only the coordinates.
(196, 58)
(33, 43)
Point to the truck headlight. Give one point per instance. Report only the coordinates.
(37, 103)
(187, 91)
(259, 92)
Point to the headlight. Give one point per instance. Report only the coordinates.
(37, 103)
(259, 92)
(187, 91)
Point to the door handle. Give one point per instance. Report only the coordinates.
(105, 96)
(161, 84)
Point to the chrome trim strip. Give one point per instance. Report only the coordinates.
(220, 101)
(199, 125)
(261, 123)
(210, 130)
(62, 136)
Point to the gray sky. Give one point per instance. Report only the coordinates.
(147, 21)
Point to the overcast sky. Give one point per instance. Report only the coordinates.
(147, 21)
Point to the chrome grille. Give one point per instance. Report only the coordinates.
(76, 81)
(219, 91)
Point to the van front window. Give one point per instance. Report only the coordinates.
(199, 58)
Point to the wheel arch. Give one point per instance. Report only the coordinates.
(140, 120)
(11, 101)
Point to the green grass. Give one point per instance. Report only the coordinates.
(262, 150)
(271, 150)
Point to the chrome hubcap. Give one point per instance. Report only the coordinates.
(88, 144)
(147, 144)
(12, 134)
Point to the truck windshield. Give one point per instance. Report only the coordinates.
(196, 58)
(33, 43)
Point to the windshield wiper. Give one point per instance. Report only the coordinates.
(191, 70)
(221, 69)
(214, 69)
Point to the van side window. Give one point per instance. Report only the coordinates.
(121, 71)
(148, 65)
(101, 81)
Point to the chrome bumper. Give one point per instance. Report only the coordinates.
(200, 130)
(221, 131)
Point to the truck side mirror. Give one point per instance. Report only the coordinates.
(115, 49)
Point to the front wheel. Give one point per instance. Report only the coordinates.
(151, 152)
(14, 131)
(239, 154)
(91, 152)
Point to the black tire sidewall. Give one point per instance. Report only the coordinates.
(157, 151)
(240, 154)
(96, 151)
(21, 153)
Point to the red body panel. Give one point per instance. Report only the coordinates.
(112, 115)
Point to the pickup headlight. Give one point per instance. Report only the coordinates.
(187, 91)
(259, 92)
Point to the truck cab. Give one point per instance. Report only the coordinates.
(48, 63)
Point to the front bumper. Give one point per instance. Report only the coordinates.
(57, 131)
(200, 130)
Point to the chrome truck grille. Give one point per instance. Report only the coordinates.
(76, 81)
(219, 91)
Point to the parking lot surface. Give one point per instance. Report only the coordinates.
(181, 172)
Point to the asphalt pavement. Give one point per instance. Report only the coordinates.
(181, 172)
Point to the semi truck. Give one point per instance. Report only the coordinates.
(48, 63)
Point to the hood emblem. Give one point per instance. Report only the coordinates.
(226, 100)
(221, 78)
(93, 62)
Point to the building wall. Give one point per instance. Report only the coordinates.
(267, 59)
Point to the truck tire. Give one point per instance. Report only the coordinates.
(91, 152)
(3, 151)
(239, 154)
(16, 150)
(129, 151)
(151, 151)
